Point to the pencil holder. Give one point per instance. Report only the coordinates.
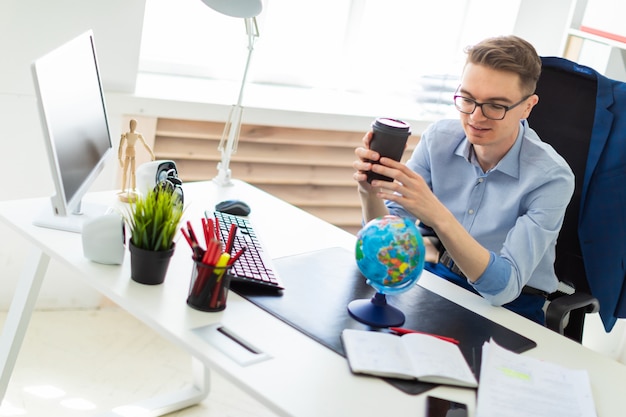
(209, 286)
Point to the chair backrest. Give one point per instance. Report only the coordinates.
(564, 118)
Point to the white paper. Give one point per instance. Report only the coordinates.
(512, 385)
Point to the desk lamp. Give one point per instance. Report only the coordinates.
(248, 10)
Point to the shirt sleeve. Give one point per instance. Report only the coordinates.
(526, 244)
(495, 279)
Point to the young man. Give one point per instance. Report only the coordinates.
(493, 194)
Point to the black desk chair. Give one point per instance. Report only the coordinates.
(564, 118)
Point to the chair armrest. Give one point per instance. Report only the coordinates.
(561, 306)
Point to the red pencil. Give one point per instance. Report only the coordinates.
(231, 238)
(191, 233)
(210, 229)
(205, 231)
(217, 229)
(214, 250)
(187, 237)
(198, 252)
(402, 330)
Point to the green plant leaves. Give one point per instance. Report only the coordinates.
(153, 219)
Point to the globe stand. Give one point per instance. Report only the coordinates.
(376, 312)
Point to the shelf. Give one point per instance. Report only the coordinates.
(596, 38)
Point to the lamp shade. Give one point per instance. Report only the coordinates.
(236, 8)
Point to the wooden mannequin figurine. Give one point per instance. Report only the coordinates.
(127, 143)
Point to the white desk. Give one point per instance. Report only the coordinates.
(295, 376)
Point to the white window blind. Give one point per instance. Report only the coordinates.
(361, 46)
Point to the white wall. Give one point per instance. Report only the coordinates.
(544, 24)
(29, 29)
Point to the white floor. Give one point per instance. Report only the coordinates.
(85, 362)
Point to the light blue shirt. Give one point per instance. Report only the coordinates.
(515, 210)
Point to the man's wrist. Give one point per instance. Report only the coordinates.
(364, 189)
(432, 249)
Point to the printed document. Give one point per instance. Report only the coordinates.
(512, 385)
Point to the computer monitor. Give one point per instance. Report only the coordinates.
(73, 116)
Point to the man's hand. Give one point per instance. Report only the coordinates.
(411, 191)
(364, 163)
(371, 205)
(408, 189)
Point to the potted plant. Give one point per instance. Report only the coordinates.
(153, 222)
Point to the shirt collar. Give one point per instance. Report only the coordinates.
(509, 164)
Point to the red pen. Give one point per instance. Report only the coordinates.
(237, 255)
(402, 330)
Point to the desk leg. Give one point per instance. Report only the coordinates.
(170, 402)
(20, 313)
(15, 327)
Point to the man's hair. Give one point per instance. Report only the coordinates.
(508, 53)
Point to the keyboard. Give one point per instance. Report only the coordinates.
(254, 269)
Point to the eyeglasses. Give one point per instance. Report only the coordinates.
(491, 111)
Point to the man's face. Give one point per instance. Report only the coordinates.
(486, 85)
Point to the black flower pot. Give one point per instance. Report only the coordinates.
(148, 266)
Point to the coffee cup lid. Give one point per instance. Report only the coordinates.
(391, 125)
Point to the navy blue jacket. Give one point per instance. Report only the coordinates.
(602, 216)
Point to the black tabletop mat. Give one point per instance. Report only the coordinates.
(319, 285)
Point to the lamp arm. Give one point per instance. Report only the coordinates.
(230, 135)
(252, 31)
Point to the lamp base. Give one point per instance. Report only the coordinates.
(376, 312)
(223, 177)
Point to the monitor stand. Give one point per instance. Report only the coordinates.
(72, 222)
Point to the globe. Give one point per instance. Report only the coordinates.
(390, 254)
